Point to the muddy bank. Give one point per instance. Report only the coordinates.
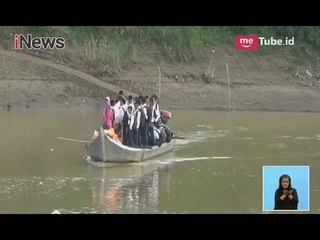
(262, 98)
(28, 82)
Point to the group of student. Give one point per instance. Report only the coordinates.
(135, 122)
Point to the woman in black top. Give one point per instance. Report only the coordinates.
(286, 197)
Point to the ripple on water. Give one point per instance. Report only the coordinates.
(40, 186)
(201, 136)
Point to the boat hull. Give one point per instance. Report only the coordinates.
(105, 149)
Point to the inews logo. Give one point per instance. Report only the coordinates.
(21, 41)
(251, 42)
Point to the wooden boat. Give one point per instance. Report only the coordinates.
(103, 149)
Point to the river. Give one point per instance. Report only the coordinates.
(217, 168)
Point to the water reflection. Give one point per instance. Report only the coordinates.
(135, 195)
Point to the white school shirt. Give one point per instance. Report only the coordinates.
(119, 113)
(130, 119)
(138, 118)
(144, 109)
(155, 110)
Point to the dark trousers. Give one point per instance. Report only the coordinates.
(168, 134)
(150, 134)
(125, 135)
(130, 137)
(144, 135)
(136, 138)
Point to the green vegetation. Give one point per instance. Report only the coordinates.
(116, 45)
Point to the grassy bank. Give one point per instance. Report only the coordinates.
(116, 46)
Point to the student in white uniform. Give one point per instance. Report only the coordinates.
(143, 122)
(156, 116)
(130, 123)
(150, 125)
(119, 112)
(137, 124)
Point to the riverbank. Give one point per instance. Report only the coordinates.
(257, 82)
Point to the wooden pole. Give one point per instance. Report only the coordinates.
(73, 140)
(159, 82)
(228, 85)
(130, 86)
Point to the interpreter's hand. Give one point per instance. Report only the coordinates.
(289, 194)
(284, 194)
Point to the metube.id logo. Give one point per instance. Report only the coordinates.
(247, 42)
(252, 42)
(20, 41)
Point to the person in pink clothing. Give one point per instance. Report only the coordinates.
(107, 115)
